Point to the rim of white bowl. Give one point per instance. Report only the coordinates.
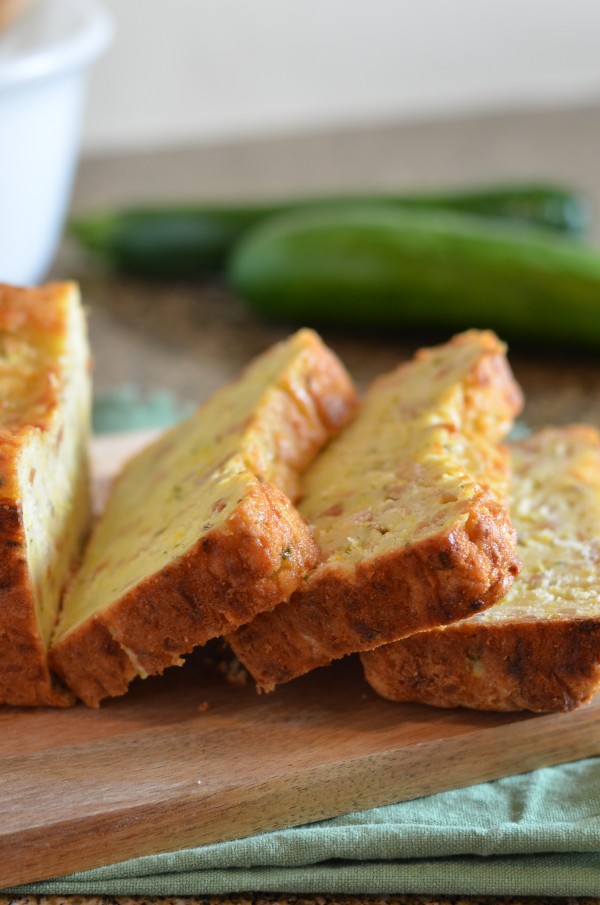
(27, 55)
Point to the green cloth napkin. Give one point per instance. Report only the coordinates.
(125, 409)
(533, 834)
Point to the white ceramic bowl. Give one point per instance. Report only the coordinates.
(44, 59)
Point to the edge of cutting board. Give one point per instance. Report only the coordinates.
(157, 771)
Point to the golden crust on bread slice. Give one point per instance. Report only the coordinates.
(199, 534)
(44, 493)
(409, 506)
(539, 648)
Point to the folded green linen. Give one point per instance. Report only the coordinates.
(125, 409)
(533, 834)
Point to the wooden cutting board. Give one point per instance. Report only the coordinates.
(192, 758)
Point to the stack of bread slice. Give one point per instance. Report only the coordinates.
(200, 534)
(539, 648)
(409, 506)
(299, 525)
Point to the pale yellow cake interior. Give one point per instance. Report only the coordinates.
(408, 466)
(555, 508)
(189, 482)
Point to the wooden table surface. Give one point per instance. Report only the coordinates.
(189, 338)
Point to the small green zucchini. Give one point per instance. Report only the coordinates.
(380, 266)
(182, 242)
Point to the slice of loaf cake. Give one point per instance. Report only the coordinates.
(539, 648)
(199, 535)
(409, 506)
(44, 505)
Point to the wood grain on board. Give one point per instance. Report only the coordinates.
(191, 758)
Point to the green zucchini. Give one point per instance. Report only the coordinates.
(391, 268)
(193, 241)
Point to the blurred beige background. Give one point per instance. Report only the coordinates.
(183, 71)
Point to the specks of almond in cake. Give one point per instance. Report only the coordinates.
(364, 517)
(335, 510)
(476, 665)
(395, 492)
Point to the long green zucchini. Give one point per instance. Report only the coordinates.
(386, 267)
(194, 241)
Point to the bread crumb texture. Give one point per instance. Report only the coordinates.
(199, 534)
(44, 496)
(539, 648)
(409, 506)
